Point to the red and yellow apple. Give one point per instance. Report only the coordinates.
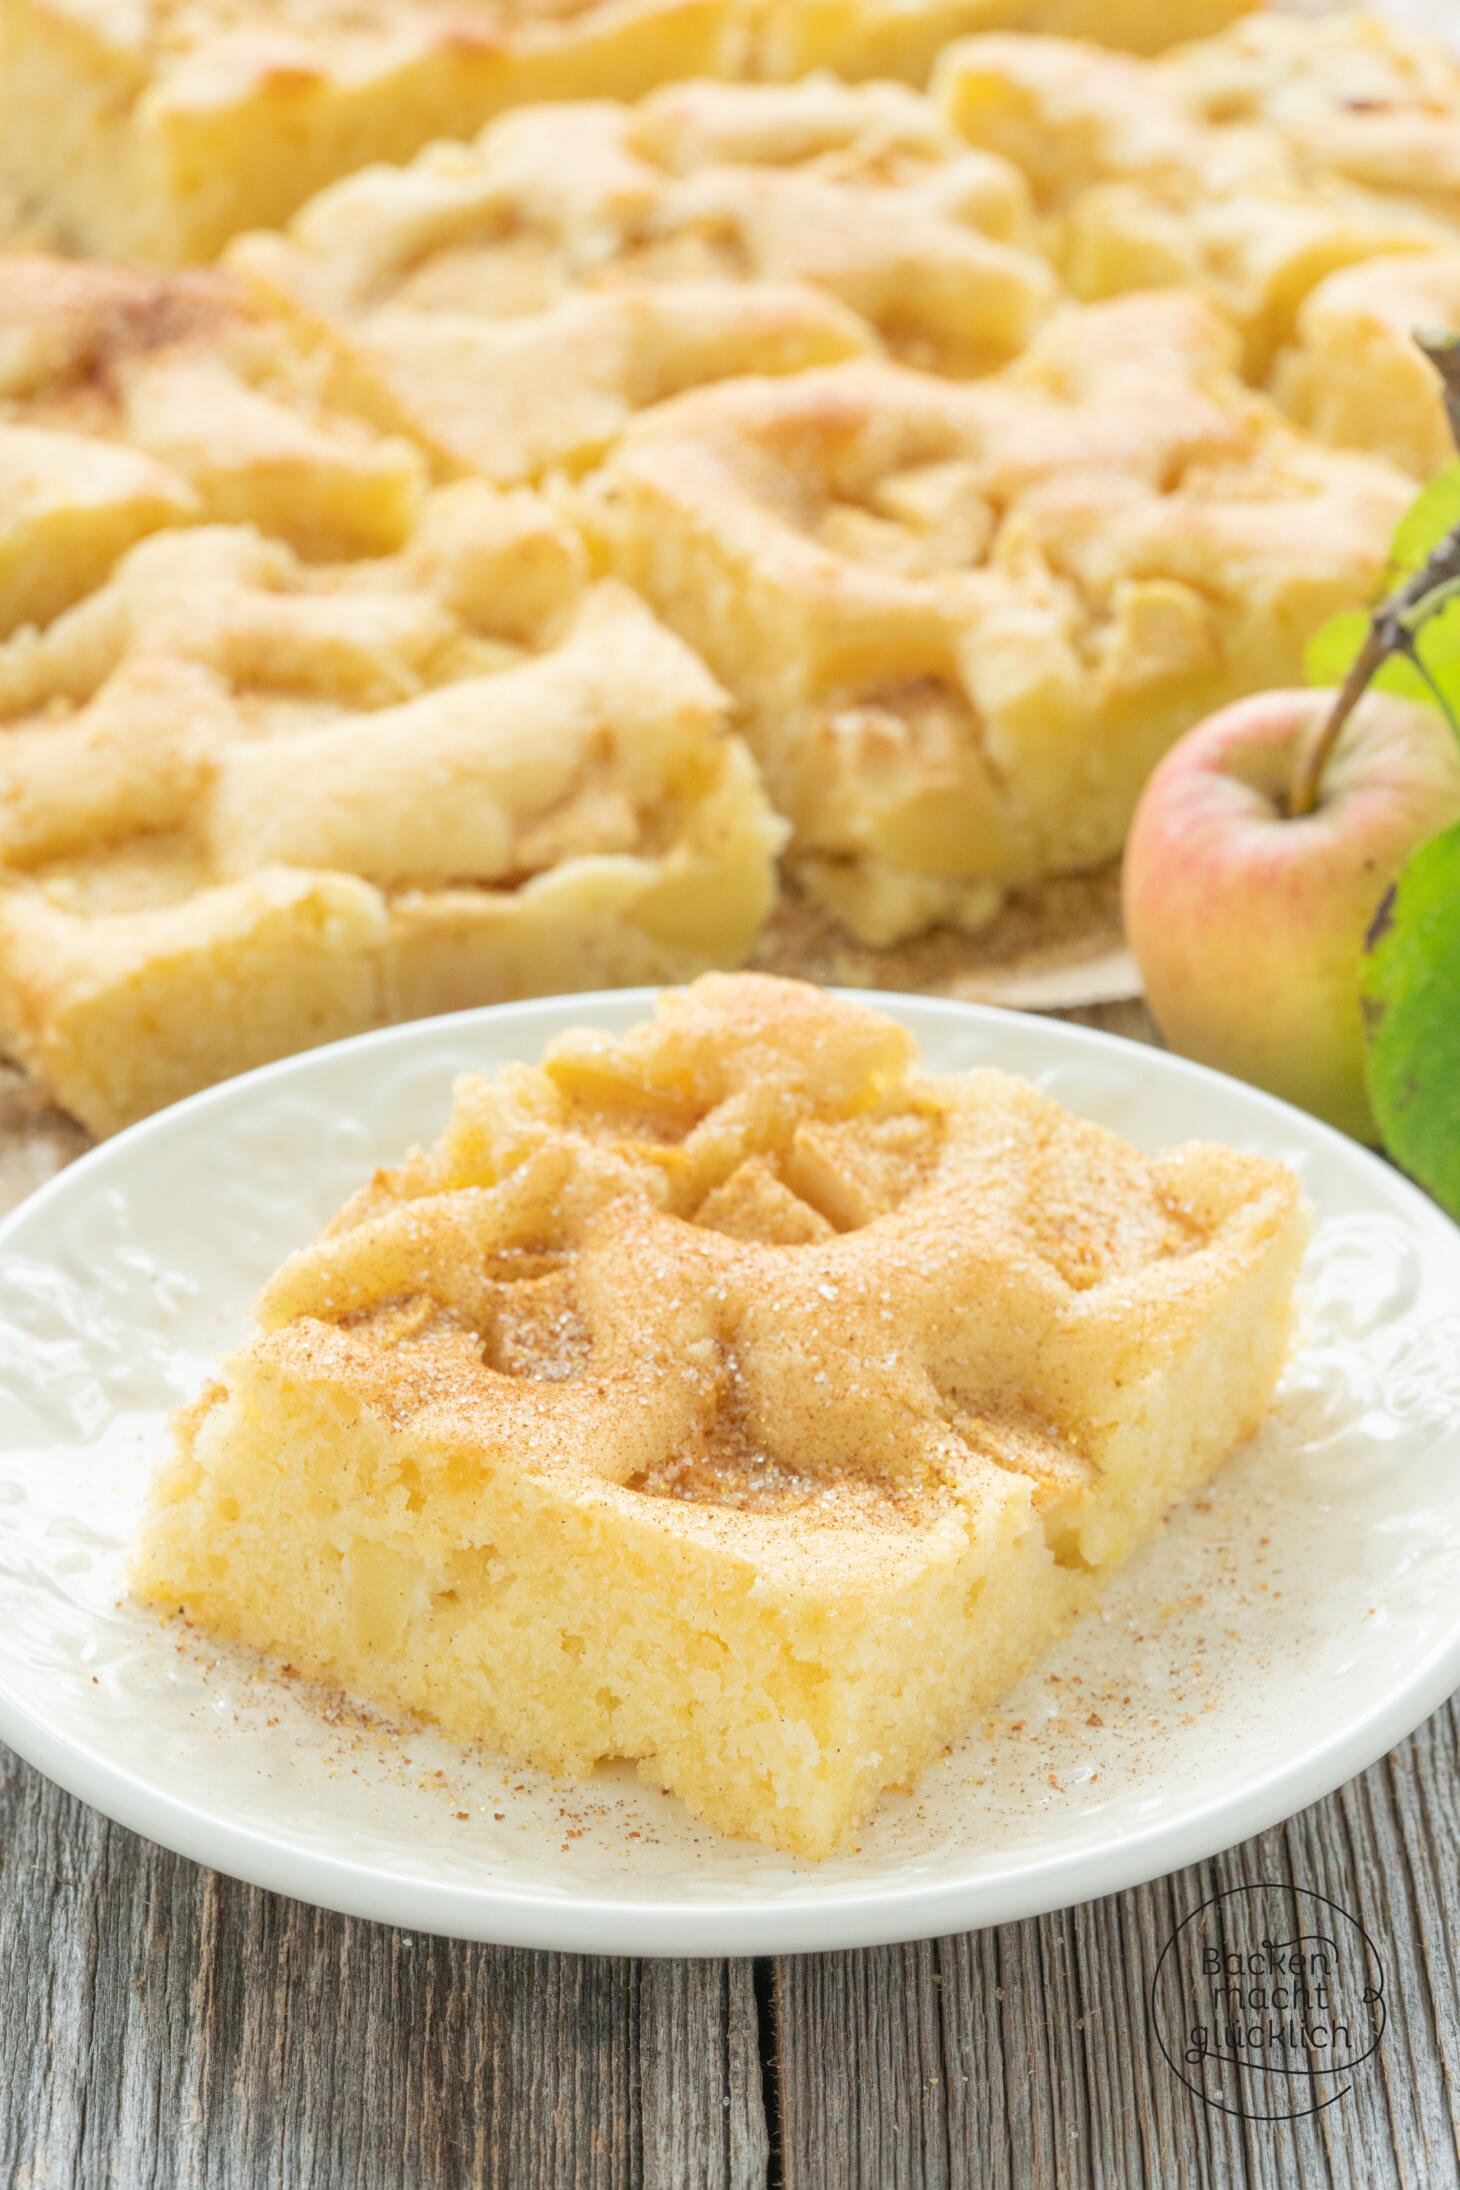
(1247, 921)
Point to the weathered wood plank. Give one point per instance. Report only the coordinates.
(161, 2026)
(1023, 2059)
(36, 1139)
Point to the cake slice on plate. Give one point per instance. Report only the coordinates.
(733, 1396)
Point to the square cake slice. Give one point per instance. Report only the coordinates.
(512, 307)
(133, 402)
(250, 803)
(903, 38)
(1251, 165)
(735, 1397)
(965, 620)
(157, 129)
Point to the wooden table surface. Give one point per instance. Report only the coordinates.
(162, 2026)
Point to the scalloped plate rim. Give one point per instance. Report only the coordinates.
(809, 1918)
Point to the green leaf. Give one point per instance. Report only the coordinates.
(1425, 523)
(1410, 984)
(1331, 650)
(1330, 653)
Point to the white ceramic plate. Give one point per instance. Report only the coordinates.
(1279, 1636)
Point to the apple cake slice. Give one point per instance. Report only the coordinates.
(159, 128)
(249, 803)
(735, 1397)
(130, 402)
(966, 620)
(511, 307)
(903, 38)
(1251, 165)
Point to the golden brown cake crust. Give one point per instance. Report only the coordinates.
(130, 402)
(67, 328)
(745, 1238)
(512, 309)
(161, 128)
(903, 38)
(1353, 373)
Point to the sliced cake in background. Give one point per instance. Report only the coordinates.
(158, 129)
(249, 803)
(1250, 166)
(902, 38)
(965, 621)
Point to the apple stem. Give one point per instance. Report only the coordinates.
(1392, 629)
(1396, 621)
(1312, 761)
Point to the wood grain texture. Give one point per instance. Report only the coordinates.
(1023, 2058)
(162, 2028)
(36, 1139)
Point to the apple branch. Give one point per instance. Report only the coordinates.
(1393, 628)
(1442, 348)
(1397, 621)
